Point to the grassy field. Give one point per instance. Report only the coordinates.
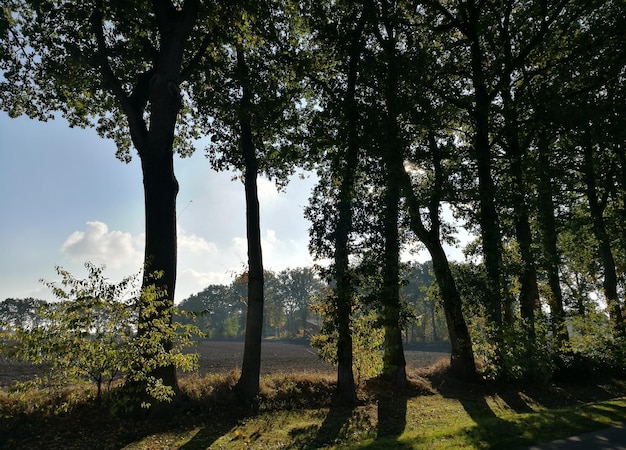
(294, 411)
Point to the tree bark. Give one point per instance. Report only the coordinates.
(547, 224)
(488, 215)
(345, 393)
(158, 87)
(394, 363)
(249, 381)
(462, 361)
(596, 211)
(529, 291)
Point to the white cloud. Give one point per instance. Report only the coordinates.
(200, 262)
(191, 281)
(115, 249)
(277, 254)
(194, 244)
(267, 190)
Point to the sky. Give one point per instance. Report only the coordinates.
(66, 200)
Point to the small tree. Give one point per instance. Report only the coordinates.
(367, 338)
(84, 335)
(96, 332)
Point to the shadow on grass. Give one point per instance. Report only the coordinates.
(531, 425)
(333, 429)
(87, 426)
(211, 431)
(391, 404)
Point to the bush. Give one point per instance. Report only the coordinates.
(367, 343)
(103, 331)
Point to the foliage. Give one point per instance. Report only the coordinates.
(219, 310)
(86, 334)
(103, 331)
(367, 339)
(20, 313)
(159, 343)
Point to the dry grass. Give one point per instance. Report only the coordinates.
(295, 410)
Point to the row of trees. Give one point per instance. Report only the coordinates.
(292, 297)
(507, 113)
(220, 310)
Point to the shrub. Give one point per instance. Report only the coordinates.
(103, 331)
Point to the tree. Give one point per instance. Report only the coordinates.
(254, 127)
(296, 288)
(118, 67)
(387, 18)
(217, 310)
(331, 211)
(92, 332)
(19, 313)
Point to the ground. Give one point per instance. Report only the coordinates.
(277, 356)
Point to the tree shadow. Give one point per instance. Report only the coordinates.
(489, 427)
(392, 404)
(392, 409)
(332, 430)
(211, 431)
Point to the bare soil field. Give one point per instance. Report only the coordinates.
(295, 356)
(277, 356)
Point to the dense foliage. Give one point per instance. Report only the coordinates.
(502, 121)
(94, 332)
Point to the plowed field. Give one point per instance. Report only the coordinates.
(277, 356)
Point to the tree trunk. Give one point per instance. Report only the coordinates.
(462, 355)
(547, 224)
(160, 190)
(345, 393)
(394, 364)
(604, 246)
(488, 216)
(529, 292)
(249, 381)
(158, 87)
(462, 361)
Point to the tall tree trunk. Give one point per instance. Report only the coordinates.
(394, 363)
(345, 393)
(488, 216)
(529, 292)
(248, 383)
(160, 190)
(596, 209)
(393, 357)
(547, 224)
(462, 361)
(158, 87)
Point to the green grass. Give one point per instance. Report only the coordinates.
(435, 412)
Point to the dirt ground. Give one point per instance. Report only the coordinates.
(277, 356)
(295, 356)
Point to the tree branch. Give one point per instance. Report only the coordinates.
(128, 104)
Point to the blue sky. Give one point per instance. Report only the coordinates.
(66, 200)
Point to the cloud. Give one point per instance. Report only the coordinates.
(191, 281)
(200, 262)
(267, 191)
(194, 244)
(115, 249)
(277, 254)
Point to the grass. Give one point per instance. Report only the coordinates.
(295, 411)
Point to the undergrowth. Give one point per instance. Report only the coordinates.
(295, 410)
